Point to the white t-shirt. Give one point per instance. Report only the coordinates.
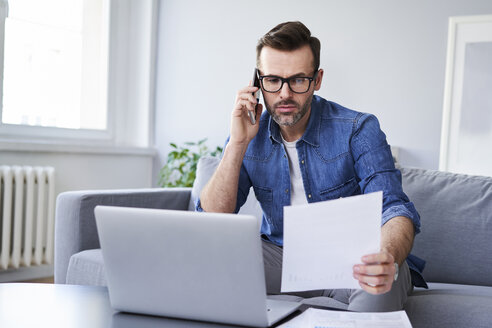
(297, 193)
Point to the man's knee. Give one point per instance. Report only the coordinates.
(361, 301)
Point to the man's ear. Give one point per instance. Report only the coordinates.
(318, 80)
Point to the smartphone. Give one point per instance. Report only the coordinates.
(256, 83)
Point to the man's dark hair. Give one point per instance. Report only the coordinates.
(290, 36)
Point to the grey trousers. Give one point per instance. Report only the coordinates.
(357, 299)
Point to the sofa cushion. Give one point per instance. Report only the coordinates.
(205, 169)
(450, 305)
(86, 268)
(456, 219)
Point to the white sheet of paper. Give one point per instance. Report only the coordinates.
(323, 241)
(312, 318)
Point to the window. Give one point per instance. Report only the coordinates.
(55, 64)
(77, 71)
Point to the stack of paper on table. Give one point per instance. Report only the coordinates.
(316, 318)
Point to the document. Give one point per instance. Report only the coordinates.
(316, 318)
(324, 240)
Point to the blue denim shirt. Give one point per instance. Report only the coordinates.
(342, 153)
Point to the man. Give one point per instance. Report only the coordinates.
(306, 149)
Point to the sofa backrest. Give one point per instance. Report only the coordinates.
(456, 218)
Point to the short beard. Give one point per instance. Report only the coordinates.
(302, 110)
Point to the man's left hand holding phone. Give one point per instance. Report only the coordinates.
(246, 112)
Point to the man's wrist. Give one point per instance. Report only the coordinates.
(237, 148)
(233, 156)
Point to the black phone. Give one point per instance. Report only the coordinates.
(256, 83)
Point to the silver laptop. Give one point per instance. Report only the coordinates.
(183, 264)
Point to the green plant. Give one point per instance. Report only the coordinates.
(180, 168)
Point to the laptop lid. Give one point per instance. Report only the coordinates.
(198, 266)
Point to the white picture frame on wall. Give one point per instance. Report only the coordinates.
(466, 135)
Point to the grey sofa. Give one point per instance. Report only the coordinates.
(456, 241)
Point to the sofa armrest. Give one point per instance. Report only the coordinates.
(75, 225)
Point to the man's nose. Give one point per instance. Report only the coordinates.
(285, 91)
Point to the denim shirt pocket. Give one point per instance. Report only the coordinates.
(345, 189)
(265, 197)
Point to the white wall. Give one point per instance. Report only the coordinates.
(385, 57)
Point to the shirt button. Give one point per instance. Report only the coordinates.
(309, 196)
(302, 162)
(286, 191)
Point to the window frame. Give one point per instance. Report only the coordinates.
(130, 83)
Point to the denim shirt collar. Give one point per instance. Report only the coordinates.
(310, 136)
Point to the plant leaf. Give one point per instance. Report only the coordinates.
(181, 165)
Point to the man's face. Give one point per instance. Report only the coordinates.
(286, 107)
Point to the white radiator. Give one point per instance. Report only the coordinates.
(27, 214)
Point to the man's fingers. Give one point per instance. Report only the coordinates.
(247, 90)
(376, 269)
(382, 257)
(245, 104)
(374, 280)
(245, 100)
(381, 289)
(374, 284)
(246, 96)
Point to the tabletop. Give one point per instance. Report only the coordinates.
(25, 305)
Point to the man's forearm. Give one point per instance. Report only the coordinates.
(220, 193)
(397, 237)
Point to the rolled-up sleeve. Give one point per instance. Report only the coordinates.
(377, 172)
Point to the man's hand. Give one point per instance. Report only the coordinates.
(242, 131)
(377, 273)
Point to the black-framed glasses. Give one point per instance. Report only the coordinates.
(297, 84)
